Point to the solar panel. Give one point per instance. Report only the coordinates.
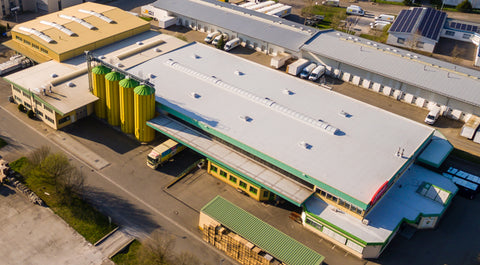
(463, 27)
(412, 20)
(458, 26)
(452, 25)
(474, 28)
(469, 27)
(425, 23)
(398, 21)
(439, 26)
(434, 24)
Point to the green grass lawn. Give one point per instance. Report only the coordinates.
(128, 256)
(332, 15)
(2, 143)
(147, 18)
(87, 221)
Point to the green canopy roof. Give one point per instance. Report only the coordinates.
(128, 83)
(143, 90)
(100, 70)
(114, 76)
(265, 236)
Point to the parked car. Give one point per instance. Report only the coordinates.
(211, 36)
(317, 73)
(307, 70)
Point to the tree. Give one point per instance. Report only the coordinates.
(37, 156)
(71, 184)
(158, 249)
(56, 166)
(30, 114)
(465, 6)
(221, 43)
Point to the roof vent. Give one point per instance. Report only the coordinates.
(388, 48)
(70, 84)
(369, 43)
(79, 21)
(246, 118)
(53, 75)
(151, 75)
(408, 54)
(375, 45)
(195, 95)
(102, 57)
(305, 145)
(119, 65)
(345, 114)
(157, 49)
(350, 37)
(356, 39)
(139, 43)
(195, 56)
(415, 56)
(394, 50)
(37, 33)
(238, 73)
(59, 27)
(338, 34)
(287, 92)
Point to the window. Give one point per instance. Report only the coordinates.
(223, 173)
(466, 36)
(19, 100)
(449, 33)
(25, 94)
(27, 105)
(35, 46)
(213, 168)
(18, 38)
(401, 40)
(253, 190)
(38, 103)
(313, 223)
(322, 193)
(43, 50)
(341, 202)
(64, 119)
(39, 113)
(49, 119)
(266, 193)
(232, 179)
(16, 89)
(242, 184)
(48, 109)
(26, 42)
(420, 44)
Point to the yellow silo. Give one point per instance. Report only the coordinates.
(112, 95)
(126, 105)
(98, 86)
(144, 105)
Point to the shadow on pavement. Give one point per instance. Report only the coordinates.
(6, 191)
(108, 136)
(120, 210)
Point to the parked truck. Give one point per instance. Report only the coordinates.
(163, 152)
(279, 60)
(297, 66)
(281, 11)
(470, 126)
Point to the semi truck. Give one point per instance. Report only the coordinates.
(163, 152)
(470, 126)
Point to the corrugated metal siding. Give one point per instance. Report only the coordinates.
(268, 238)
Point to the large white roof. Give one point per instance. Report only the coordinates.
(229, 95)
(417, 70)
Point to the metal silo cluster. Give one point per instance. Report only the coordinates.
(124, 102)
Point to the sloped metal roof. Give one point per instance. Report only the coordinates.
(257, 25)
(265, 236)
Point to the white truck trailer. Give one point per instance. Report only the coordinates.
(269, 8)
(279, 60)
(164, 18)
(297, 66)
(281, 11)
(263, 4)
(470, 126)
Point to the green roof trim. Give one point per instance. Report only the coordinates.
(265, 236)
(144, 90)
(128, 83)
(101, 70)
(114, 76)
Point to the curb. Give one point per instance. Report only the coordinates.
(105, 237)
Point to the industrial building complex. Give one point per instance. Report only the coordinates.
(356, 172)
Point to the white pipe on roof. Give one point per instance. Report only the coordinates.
(35, 32)
(79, 21)
(59, 27)
(103, 17)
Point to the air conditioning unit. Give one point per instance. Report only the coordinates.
(365, 221)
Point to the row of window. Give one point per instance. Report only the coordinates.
(234, 179)
(43, 50)
(452, 33)
(64, 119)
(344, 204)
(18, 38)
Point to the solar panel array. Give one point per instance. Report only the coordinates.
(463, 26)
(426, 21)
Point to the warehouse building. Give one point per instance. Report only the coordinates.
(14, 7)
(270, 141)
(258, 31)
(57, 89)
(404, 75)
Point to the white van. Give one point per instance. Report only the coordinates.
(355, 10)
(217, 38)
(317, 72)
(211, 36)
(331, 2)
(307, 70)
(232, 44)
(379, 25)
(387, 18)
(433, 116)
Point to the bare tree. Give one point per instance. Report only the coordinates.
(71, 184)
(158, 249)
(56, 166)
(186, 258)
(37, 156)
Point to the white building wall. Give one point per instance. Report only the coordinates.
(411, 41)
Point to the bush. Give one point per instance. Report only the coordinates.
(30, 114)
(436, 3)
(407, 2)
(21, 108)
(220, 44)
(465, 6)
